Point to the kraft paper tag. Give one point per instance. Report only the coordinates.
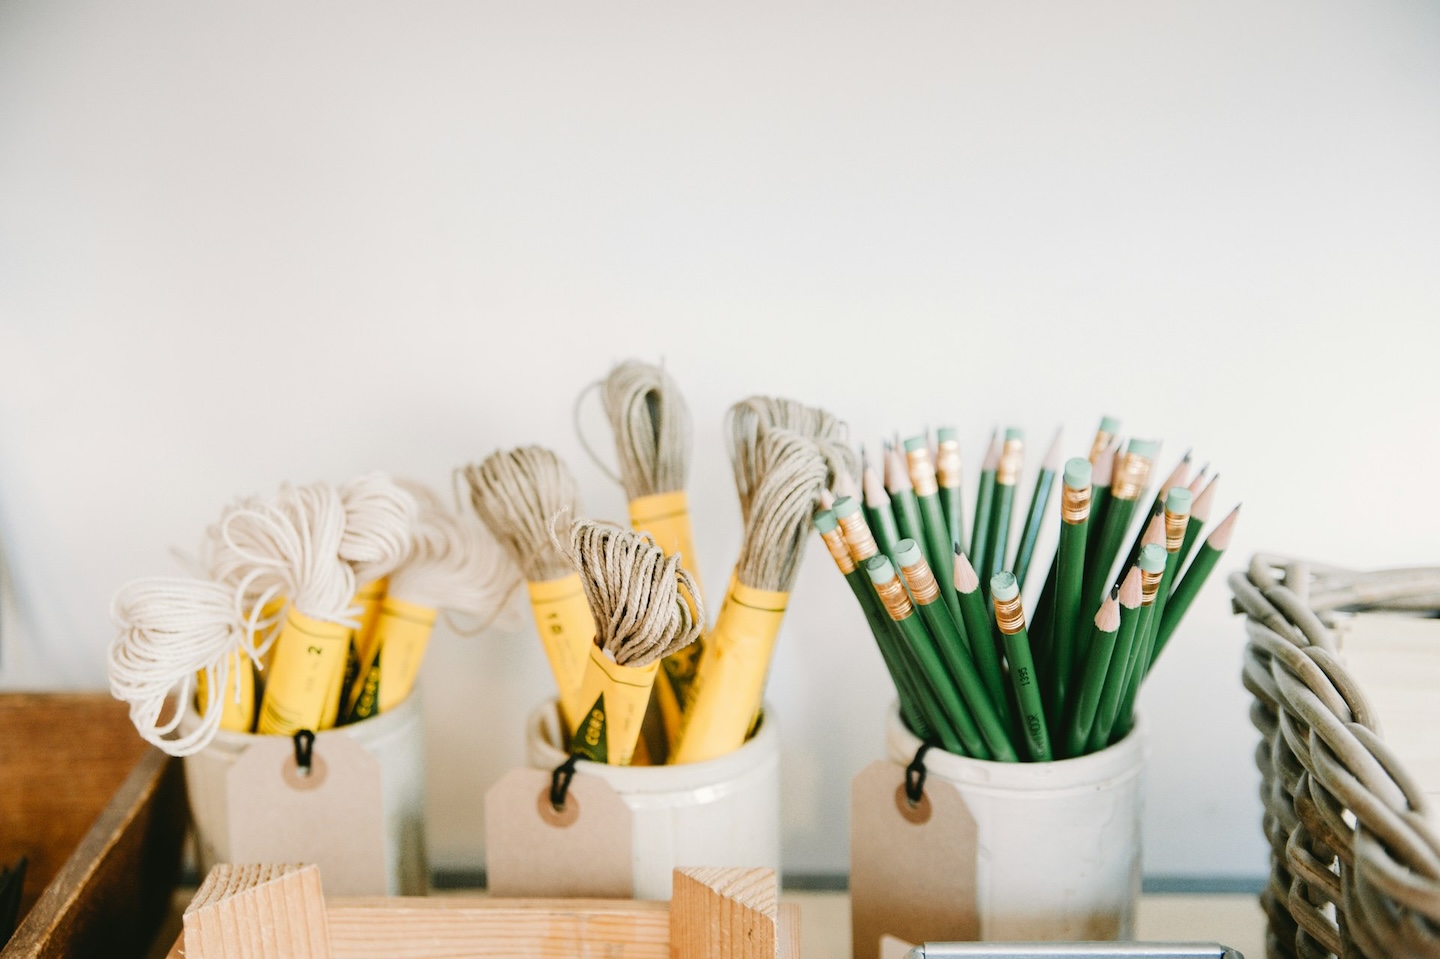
(334, 817)
(583, 850)
(912, 869)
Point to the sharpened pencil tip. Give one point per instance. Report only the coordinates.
(875, 495)
(1131, 592)
(965, 579)
(1220, 539)
(1107, 619)
(1052, 455)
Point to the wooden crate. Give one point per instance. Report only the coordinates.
(100, 815)
(264, 911)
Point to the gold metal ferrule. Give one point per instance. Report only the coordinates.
(1131, 475)
(1149, 586)
(858, 537)
(1012, 458)
(1074, 505)
(922, 583)
(1175, 524)
(922, 471)
(1101, 444)
(1009, 615)
(892, 594)
(947, 464)
(835, 543)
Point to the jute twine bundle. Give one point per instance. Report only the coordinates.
(789, 471)
(634, 591)
(517, 493)
(747, 419)
(652, 429)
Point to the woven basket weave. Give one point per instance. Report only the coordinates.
(1355, 866)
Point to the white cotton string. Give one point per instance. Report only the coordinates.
(651, 424)
(789, 471)
(516, 493)
(379, 517)
(454, 563)
(745, 420)
(170, 630)
(634, 591)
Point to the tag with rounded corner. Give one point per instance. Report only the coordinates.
(333, 817)
(912, 865)
(582, 849)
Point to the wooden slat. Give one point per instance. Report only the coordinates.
(451, 928)
(62, 757)
(111, 894)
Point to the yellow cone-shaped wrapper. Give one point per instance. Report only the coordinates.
(401, 636)
(363, 645)
(309, 654)
(617, 696)
(730, 680)
(567, 631)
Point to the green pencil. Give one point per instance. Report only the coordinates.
(1039, 500)
(1131, 474)
(984, 502)
(1152, 571)
(1080, 712)
(1067, 646)
(918, 640)
(937, 546)
(1104, 436)
(1010, 620)
(1177, 516)
(902, 496)
(948, 471)
(1007, 475)
(1113, 685)
(879, 622)
(977, 627)
(925, 592)
(878, 513)
(1195, 574)
(1103, 469)
(1199, 516)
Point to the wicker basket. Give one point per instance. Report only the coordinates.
(1355, 866)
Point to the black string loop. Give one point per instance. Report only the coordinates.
(915, 776)
(304, 750)
(560, 783)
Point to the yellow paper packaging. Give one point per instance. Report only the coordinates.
(401, 635)
(730, 681)
(567, 631)
(309, 654)
(666, 517)
(363, 648)
(617, 694)
(237, 713)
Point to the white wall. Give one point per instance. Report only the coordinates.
(245, 243)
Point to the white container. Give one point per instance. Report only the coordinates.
(721, 812)
(1059, 842)
(397, 742)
